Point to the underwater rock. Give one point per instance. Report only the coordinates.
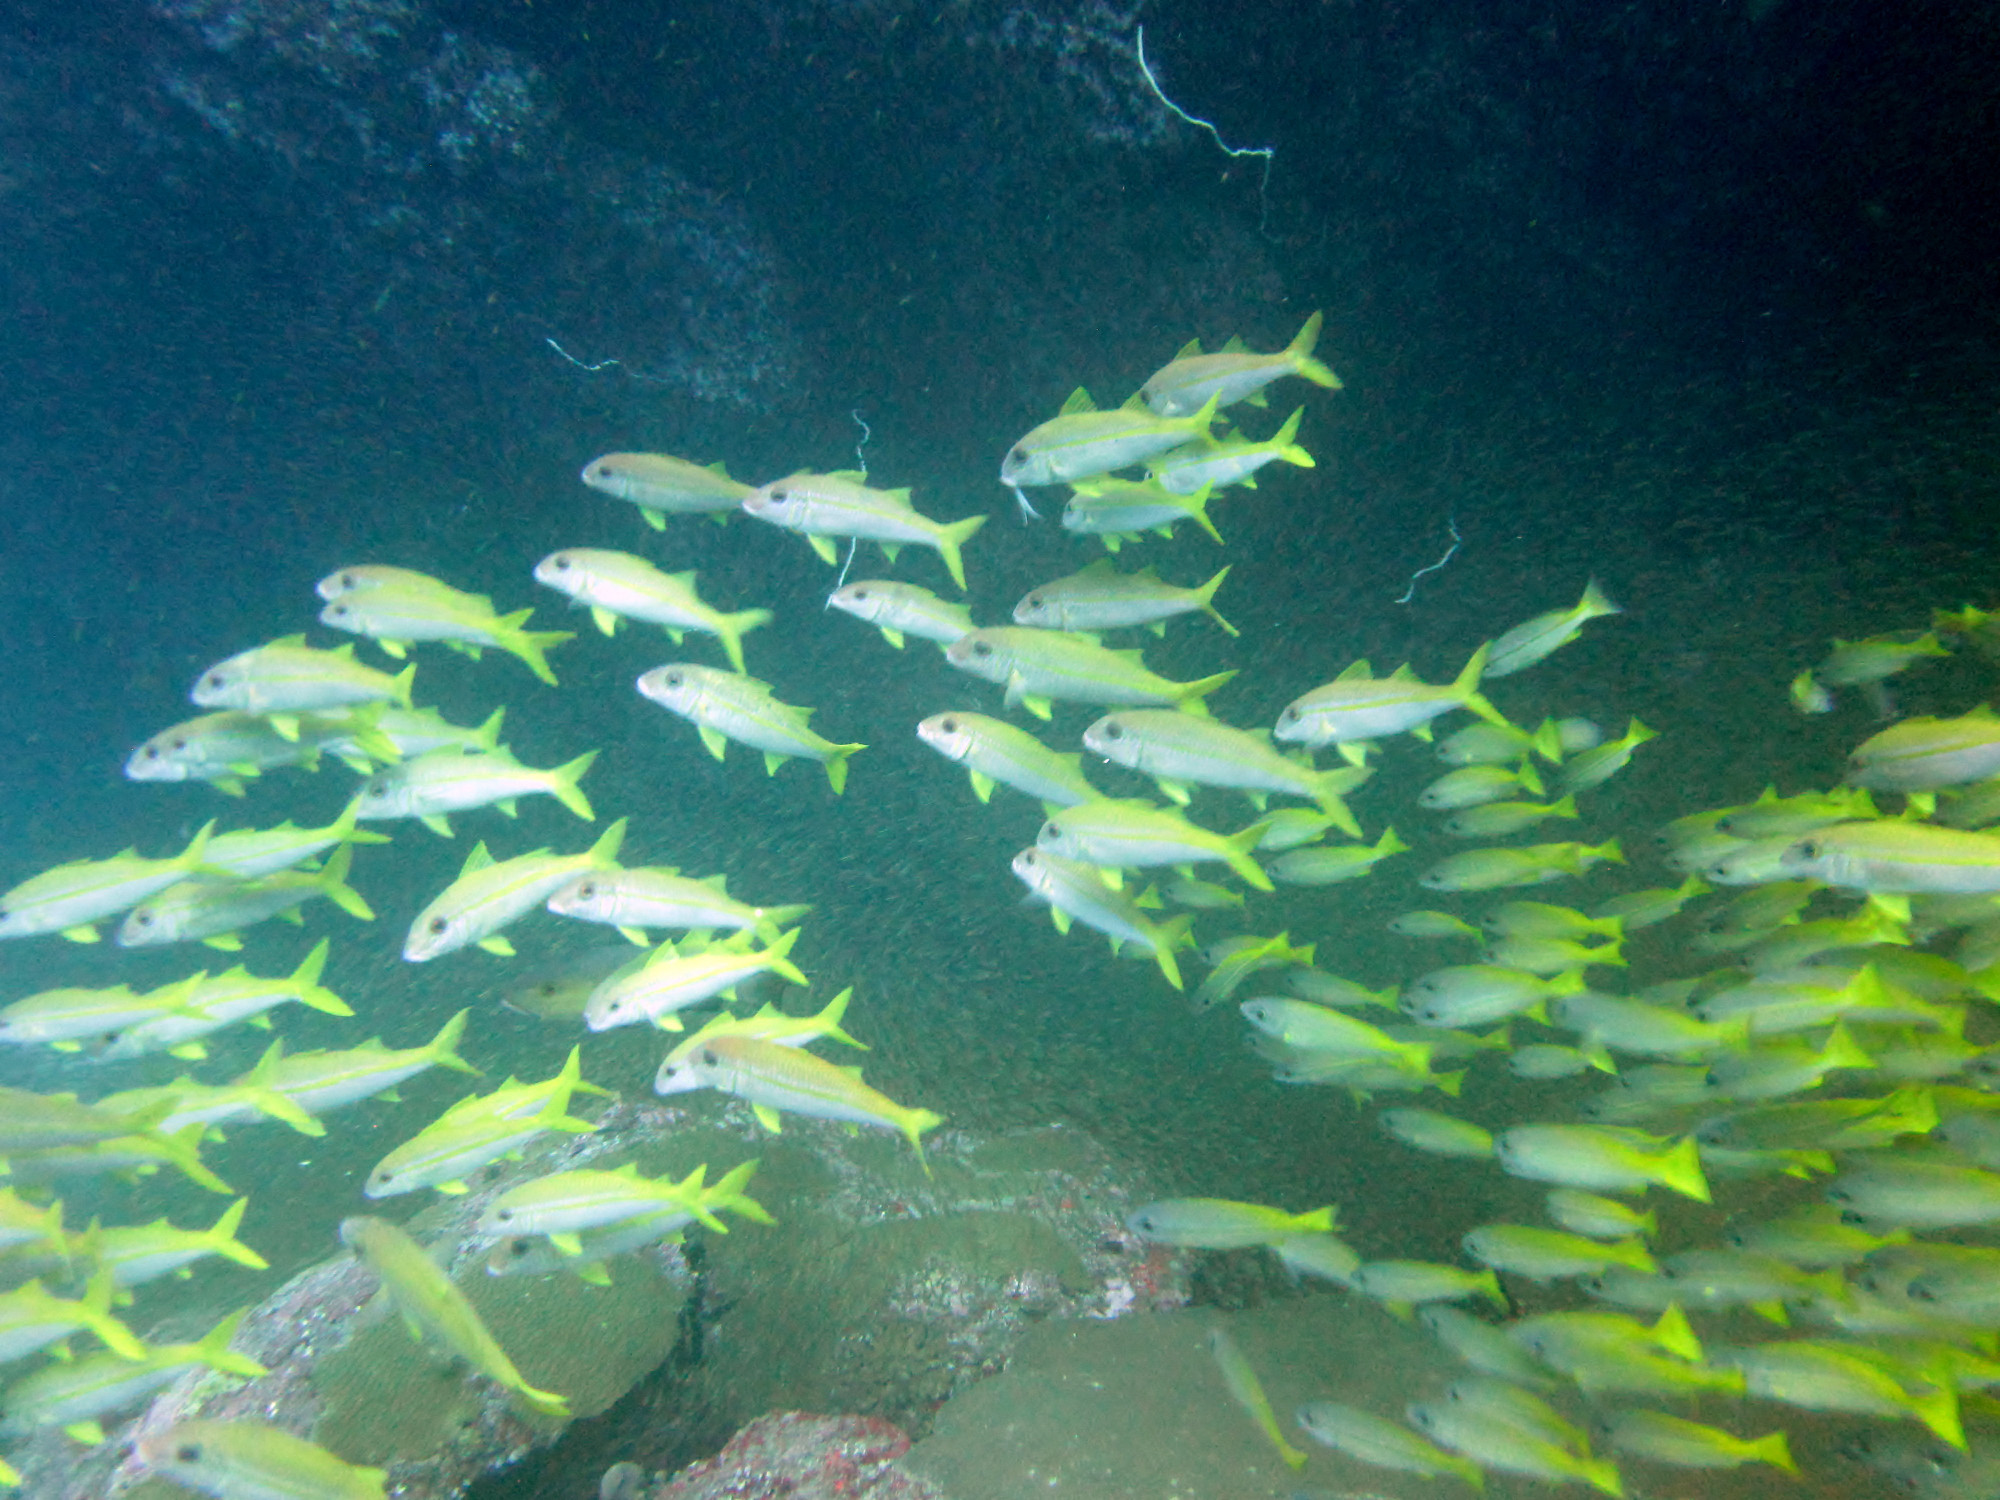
(793, 1455)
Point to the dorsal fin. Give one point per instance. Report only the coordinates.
(1354, 672)
(1190, 350)
(718, 467)
(1079, 400)
(478, 859)
(1136, 402)
(1403, 674)
(1235, 344)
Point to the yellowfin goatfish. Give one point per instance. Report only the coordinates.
(1081, 441)
(1222, 1224)
(1132, 833)
(636, 900)
(1497, 744)
(671, 980)
(1530, 864)
(135, 1254)
(1694, 1445)
(489, 894)
(1546, 1255)
(1923, 754)
(1356, 707)
(821, 507)
(1601, 1158)
(725, 706)
(1600, 763)
(1079, 892)
(246, 853)
(900, 610)
(1322, 1029)
(563, 1204)
(74, 897)
(1330, 865)
(1497, 1441)
(769, 1024)
(432, 1305)
(1526, 644)
(65, 1019)
(245, 1460)
(1102, 598)
(1180, 750)
(287, 677)
(321, 1081)
(1234, 373)
(451, 780)
(1114, 510)
(1470, 786)
(1383, 1443)
(775, 1079)
(36, 1122)
(1039, 667)
(396, 617)
(73, 1394)
(1401, 1285)
(995, 753)
(228, 748)
(1244, 1385)
(213, 911)
(1209, 462)
(30, 1319)
(616, 586)
(661, 485)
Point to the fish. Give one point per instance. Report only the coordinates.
(1181, 751)
(285, 678)
(1527, 864)
(1610, 1353)
(1079, 892)
(636, 900)
(1401, 1285)
(1323, 1255)
(440, 782)
(1498, 744)
(1102, 598)
(995, 753)
(1322, 1029)
(1385, 1444)
(671, 979)
(227, 749)
(725, 706)
(396, 617)
(1545, 1255)
(490, 894)
(1081, 442)
(245, 1460)
(138, 1253)
(1649, 908)
(1619, 1023)
(1356, 707)
(412, 731)
(434, 1308)
(661, 485)
(1234, 373)
(1598, 1217)
(1530, 642)
(616, 586)
(72, 1394)
(1131, 833)
(775, 1079)
(583, 1252)
(1893, 856)
(1209, 462)
(1913, 1194)
(74, 898)
(1694, 1445)
(31, 1319)
(1481, 1346)
(320, 1082)
(1541, 919)
(1495, 820)
(1248, 1391)
(1237, 959)
(247, 1100)
(1223, 1224)
(1496, 1441)
(360, 578)
(1295, 827)
(1599, 764)
(1432, 924)
(1039, 667)
(1461, 995)
(821, 507)
(1475, 785)
(1116, 510)
(1439, 1134)
(560, 1205)
(1818, 1376)
(769, 1024)
(247, 853)
(1772, 816)
(1857, 663)
(900, 610)
(1601, 1158)
(461, 1141)
(65, 1019)
(214, 911)
(1815, 1238)
(43, 1122)
(1331, 864)
(1548, 1060)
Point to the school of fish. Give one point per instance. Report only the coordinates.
(1793, 1021)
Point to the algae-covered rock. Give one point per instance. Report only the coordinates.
(793, 1455)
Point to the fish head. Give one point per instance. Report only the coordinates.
(677, 1076)
(224, 685)
(162, 758)
(385, 1181)
(1024, 465)
(1027, 866)
(346, 581)
(383, 795)
(434, 932)
(588, 897)
(673, 687)
(1052, 838)
(340, 615)
(978, 653)
(865, 600)
(1037, 608)
(947, 734)
(1291, 726)
(147, 925)
(608, 475)
(1262, 1014)
(1107, 737)
(780, 502)
(563, 571)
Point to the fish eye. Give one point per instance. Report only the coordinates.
(781, 496)
(152, 752)
(949, 726)
(143, 918)
(1027, 857)
(982, 648)
(1807, 849)
(708, 1057)
(859, 593)
(1143, 1223)
(503, 1214)
(439, 924)
(1016, 455)
(1852, 1219)
(587, 889)
(673, 679)
(337, 610)
(519, 1248)
(188, 1453)
(1033, 601)
(1290, 715)
(1112, 731)
(560, 561)
(214, 680)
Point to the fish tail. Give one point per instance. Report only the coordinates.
(1680, 1170)
(1188, 696)
(223, 1241)
(400, 686)
(604, 853)
(913, 1124)
(1774, 1449)
(1197, 511)
(1595, 603)
(732, 629)
(1238, 847)
(183, 1150)
(565, 790)
(443, 1048)
(1327, 789)
(836, 761)
(1546, 742)
(1168, 936)
(1205, 597)
(1602, 1474)
(950, 539)
(1289, 450)
(1301, 351)
(334, 886)
(548, 1403)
